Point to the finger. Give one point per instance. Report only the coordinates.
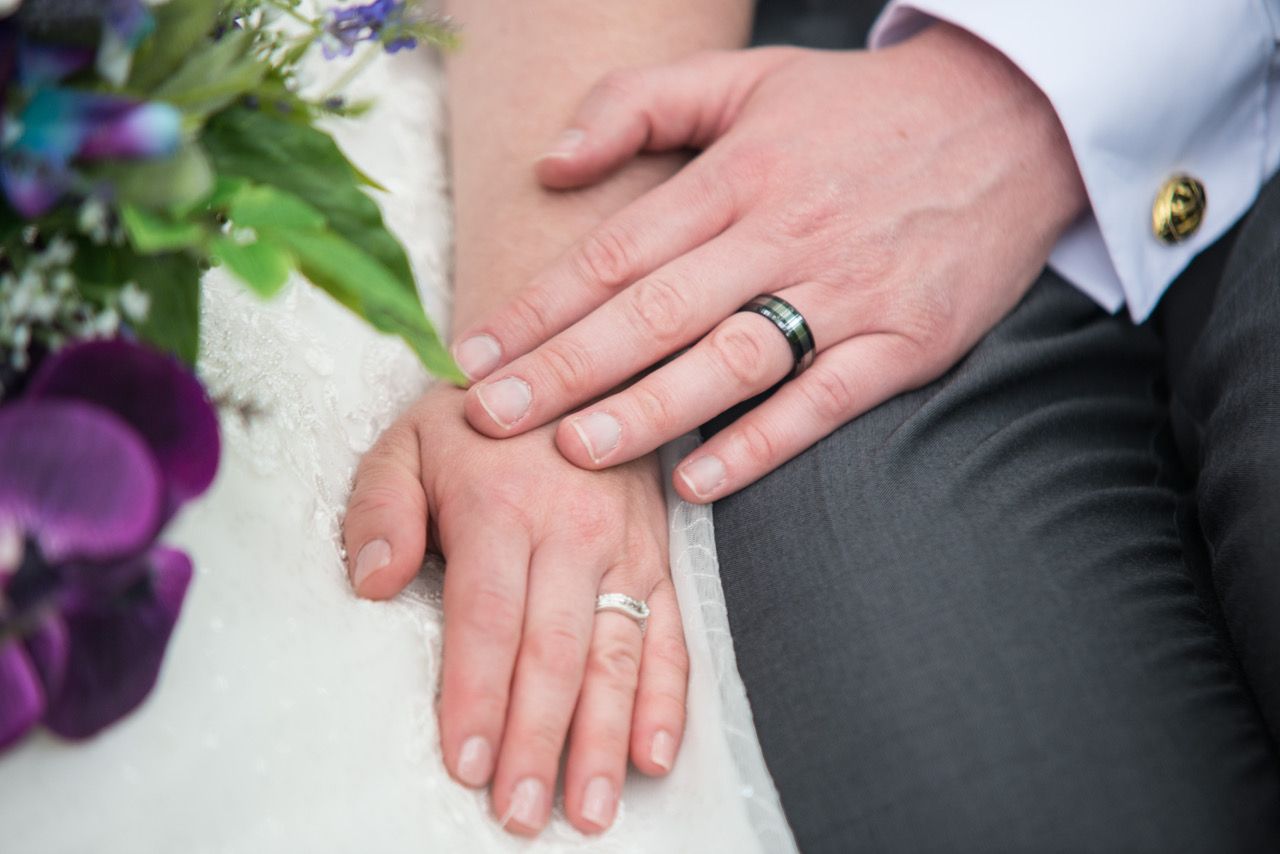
(385, 526)
(548, 678)
(844, 382)
(743, 356)
(684, 212)
(645, 323)
(661, 701)
(601, 730)
(685, 104)
(484, 598)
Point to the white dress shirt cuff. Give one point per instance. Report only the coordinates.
(1144, 89)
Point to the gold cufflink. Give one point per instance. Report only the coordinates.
(1179, 209)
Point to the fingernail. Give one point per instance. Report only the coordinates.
(374, 556)
(598, 801)
(477, 355)
(506, 400)
(527, 805)
(475, 761)
(663, 750)
(599, 433)
(703, 475)
(567, 143)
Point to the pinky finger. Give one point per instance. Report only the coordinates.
(843, 383)
(658, 723)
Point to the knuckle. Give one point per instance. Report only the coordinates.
(543, 737)
(749, 165)
(655, 407)
(569, 366)
(608, 256)
(373, 499)
(527, 313)
(805, 217)
(660, 308)
(591, 520)
(759, 445)
(491, 612)
(617, 665)
(671, 652)
(621, 84)
(554, 652)
(828, 393)
(741, 354)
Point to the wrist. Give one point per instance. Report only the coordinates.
(978, 86)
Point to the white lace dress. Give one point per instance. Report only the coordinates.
(292, 717)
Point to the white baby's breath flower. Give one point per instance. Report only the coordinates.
(135, 302)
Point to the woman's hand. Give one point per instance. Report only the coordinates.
(530, 541)
(902, 200)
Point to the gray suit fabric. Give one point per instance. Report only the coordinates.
(1035, 606)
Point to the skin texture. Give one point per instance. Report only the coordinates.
(913, 211)
(530, 539)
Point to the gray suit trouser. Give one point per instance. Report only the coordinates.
(1035, 606)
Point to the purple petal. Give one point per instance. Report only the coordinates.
(147, 130)
(21, 700)
(116, 649)
(33, 188)
(47, 648)
(77, 479)
(154, 393)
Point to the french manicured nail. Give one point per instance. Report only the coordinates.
(475, 761)
(477, 355)
(663, 750)
(506, 400)
(598, 802)
(599, 433)
(373, 557)
(567, 144)
(703, 475)
(528, 803)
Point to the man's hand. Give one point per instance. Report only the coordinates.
(530, 541)
(903, 201)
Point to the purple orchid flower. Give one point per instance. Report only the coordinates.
(109, 440)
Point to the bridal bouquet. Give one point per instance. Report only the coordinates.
(142, 143)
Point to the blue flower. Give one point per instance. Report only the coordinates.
(60, 126)
(380, 20)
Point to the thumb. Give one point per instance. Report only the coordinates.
(685, 104)
(385, 529)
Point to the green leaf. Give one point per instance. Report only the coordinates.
(267, 207)
(359, 282)
(261, 265)
(173, 283)
(151, 233)
(181, 27)
(174, 183)
(214, 76)
(305, 162)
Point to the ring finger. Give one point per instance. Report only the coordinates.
(743, 356)
(601, 734)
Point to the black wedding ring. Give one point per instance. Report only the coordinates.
(790, 323)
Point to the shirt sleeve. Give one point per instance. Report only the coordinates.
(1145, 89)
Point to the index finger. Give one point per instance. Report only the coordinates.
(684, 212)
(644, 324)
